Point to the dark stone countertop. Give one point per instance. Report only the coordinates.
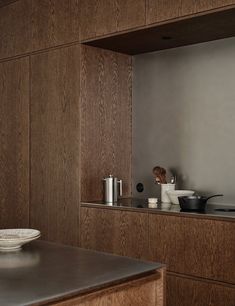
(45, 272)
(213, 210)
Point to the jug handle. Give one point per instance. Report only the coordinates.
(120, 187)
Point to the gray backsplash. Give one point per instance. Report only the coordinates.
(184, 117)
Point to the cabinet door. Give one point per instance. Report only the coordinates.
(193, 246)
(15, 33)
(183, 291)
(119, 232)
(210, 249)
(107, 16)
(166, 241)
(54, 22)
(160, 10)
(55, 144)
(14, 143)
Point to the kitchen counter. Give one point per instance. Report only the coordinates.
(45, 272)
(214, 211)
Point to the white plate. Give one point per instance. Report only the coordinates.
(13, 239)
(18, 233)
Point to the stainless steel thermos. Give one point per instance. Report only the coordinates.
(112, 189)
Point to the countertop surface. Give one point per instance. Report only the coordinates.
(213, 210)
(45, 272)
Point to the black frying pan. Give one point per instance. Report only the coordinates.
(195, 203)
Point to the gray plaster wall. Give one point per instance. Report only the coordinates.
(184, 118)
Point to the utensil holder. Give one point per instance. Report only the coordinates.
(164, 188)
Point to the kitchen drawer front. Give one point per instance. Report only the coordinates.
(108, 16)
(166, 241)
(193, 246)
(160, 10)
(210, 249)
(113, 231)
(183, 291)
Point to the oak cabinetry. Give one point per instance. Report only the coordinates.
(54, 22)
(162, 10)
(199, 253)
(55, 144)
(106, 96)
(113, 231)
(210, 248)
(14, 143)
(182, 291)
(15, 28)
(103, 17)
(166, 241)
(31, 25)
(193, 246)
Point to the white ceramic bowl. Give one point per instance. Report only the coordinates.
(13, 239)
(174, 194)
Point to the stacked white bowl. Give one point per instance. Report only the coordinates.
(174, 194)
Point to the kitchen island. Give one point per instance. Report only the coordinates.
(45, 273)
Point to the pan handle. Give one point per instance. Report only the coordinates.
(213, 196)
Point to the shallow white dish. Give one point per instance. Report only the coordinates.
(13, 239)
(174, 194)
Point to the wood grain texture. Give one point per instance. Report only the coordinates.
(104, 16)
(162, 10)
(167, 241)
(184, 292)
(6, 2)
(210, 245)
(147, 291)
(54, 22)
(15, 33)
(106, 94)
(203, 248)
(14, 143)
(176, 33)
(55, 144)
(121, 233)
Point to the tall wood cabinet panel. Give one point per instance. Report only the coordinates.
(119, 232)
(15, 33)
(107, 16)
(106, 92)
(183, 291)
(14, 143)
(160, 10)
(55, 144)
(54, 22)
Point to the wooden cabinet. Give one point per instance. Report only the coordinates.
(166, 241)
(210, 249)
(199, 253)
(103, 17)
(30, 25)
(162, 10)
(15, 33)
(119, 232)
(54, 23)
(14, 143)
(182, 291)
(199, 247)
(55, 144)
(106, 95)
